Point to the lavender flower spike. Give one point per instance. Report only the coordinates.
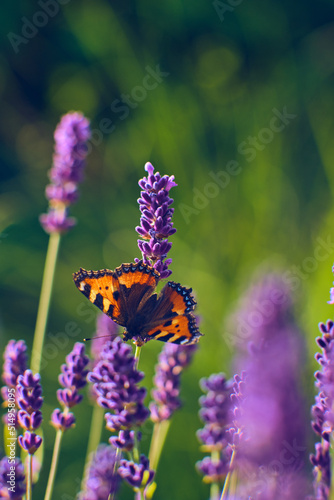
(323, 412)
(71, 136)
(172, 360)
(115, 380)
(29, 399)
(72, 378)
(215, 413)
(156, 220)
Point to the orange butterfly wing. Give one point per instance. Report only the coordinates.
(118, 293)
(172, 317)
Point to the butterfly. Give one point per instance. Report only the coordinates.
(126, 296)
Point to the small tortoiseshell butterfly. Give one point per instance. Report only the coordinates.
(126, 296)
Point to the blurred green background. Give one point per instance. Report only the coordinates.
(225, 73)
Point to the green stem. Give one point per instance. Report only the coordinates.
(137, 355)
(117, 457)
(214, 489)
(44, 301)
(29, 478)
(228, 477)
(54, 464)
(160, 430)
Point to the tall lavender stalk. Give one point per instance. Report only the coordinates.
(71, 136)
(116, 378)
(215, 414)
(156, 224)
(29, 398)
(323, 412)
(72, 379)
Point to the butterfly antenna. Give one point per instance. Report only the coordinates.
(93, 338)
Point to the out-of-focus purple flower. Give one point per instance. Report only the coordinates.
(215, 413)
(172, 360)
(270, 419)
(15, 363)
(29, 399)
(72, 378)
(101, 479)
(115, 380)
(270, 484)
(12, 479)
(156, 224)
(137, 475)
(71, 136)
(323, 411)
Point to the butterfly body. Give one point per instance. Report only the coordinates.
(126, 296)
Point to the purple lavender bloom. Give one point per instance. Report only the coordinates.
(30, 442)
(15, 363)
(213, 471)
(215, 412)
(72, 378)
(322, 411)
(12, 481)
(172, 360)
(29, 399)
(115, 380)
(156, 220)
(125, 440)
(137, 475)
(71, 136)
(270, 418)
(101, 480)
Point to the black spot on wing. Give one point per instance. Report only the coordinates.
(116, 295)
(110, 311)
(98, 301)
(179, 340)
(86, 290)
(168, 323)
(165, 338)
